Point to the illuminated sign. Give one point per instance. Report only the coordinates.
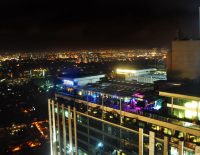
(68, 82)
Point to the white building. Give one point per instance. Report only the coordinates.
(141, 75)
(81, 81)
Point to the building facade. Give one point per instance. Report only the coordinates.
(93, 120)
(141, 75)
(183, 60)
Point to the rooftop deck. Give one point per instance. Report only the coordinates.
(145, 116)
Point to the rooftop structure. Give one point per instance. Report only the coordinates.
(134, 72)
(81, 80)
(149, 75)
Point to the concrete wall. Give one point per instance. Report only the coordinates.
(185, 59)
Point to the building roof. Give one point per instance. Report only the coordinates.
(184, 91)
(134, 67)
(78, 76)
(78, 72)
(122, 89)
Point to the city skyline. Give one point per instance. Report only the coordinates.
(100, 77)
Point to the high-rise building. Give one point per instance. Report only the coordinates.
(123, 118)
(129, 118)
(184, 60)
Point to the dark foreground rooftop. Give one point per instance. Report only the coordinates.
(119, 88)
(189, 89)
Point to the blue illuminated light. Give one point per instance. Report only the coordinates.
(68, 82)
(94, 95)
(157, 104)
(133, 100)
(158, 107)
(115, 96)
(100, 144)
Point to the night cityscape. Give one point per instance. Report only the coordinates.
(100, 77)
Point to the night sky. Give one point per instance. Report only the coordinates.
(95, 23)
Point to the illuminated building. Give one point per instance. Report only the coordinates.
(135, 72)
(114, 117)
(181, 102)
(38, 72)
(80, 80)
(141, 75)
